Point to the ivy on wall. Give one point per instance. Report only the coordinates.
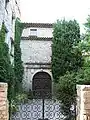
(6, 69)
(12, 75)
(18, 66)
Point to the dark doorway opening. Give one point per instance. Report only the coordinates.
(42, 86)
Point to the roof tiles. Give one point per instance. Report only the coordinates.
(41, 25)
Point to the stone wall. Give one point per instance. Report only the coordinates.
(28, 76)
(83, 102)
(3, 102)
(34, 51)
(36, 57)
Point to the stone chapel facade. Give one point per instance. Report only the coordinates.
(36, 50)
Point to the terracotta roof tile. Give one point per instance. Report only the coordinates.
(41, 25)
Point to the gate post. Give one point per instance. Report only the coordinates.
(43, 109)
(4, 114)
(83, 102)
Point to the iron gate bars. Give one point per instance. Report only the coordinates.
(42, 87)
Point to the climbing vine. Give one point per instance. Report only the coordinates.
(4, 58)
(6, 69)
(18, 66)
(12, 75)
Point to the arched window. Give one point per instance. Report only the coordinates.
(42, 85)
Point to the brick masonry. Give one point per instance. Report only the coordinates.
(4, 114)
(83, 102)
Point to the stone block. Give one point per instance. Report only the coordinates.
(83, 102)
(87, 112)
(2, 89)
(86, 94)
(87, 106)
(86, 88)
(3, 108)
(3, 102)
(3, 95)
(86, 101)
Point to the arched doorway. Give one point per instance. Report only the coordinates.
(42, 85)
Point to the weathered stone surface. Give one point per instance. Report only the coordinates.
(2, 94)
(83, 102)
(37, 55)
(2, 89)
(3, 102)
(87, 106)
(86, 88)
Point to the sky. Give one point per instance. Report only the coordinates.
(48, 11)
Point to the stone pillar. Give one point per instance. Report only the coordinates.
(3, 102)
(83, 102)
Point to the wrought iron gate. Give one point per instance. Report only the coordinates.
(42, 88)
(42, 106)
(33, 110)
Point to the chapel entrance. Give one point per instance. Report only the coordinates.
(42, 89)
(42, 106)
(42, 86)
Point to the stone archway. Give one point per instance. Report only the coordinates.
(42, 85)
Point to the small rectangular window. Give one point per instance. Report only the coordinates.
(33, 32)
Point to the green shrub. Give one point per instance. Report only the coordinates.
(65, 91)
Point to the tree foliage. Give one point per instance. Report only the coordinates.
(66, 93)
(66, 61)
(85, 44)
(83, 76)
(65, 54)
